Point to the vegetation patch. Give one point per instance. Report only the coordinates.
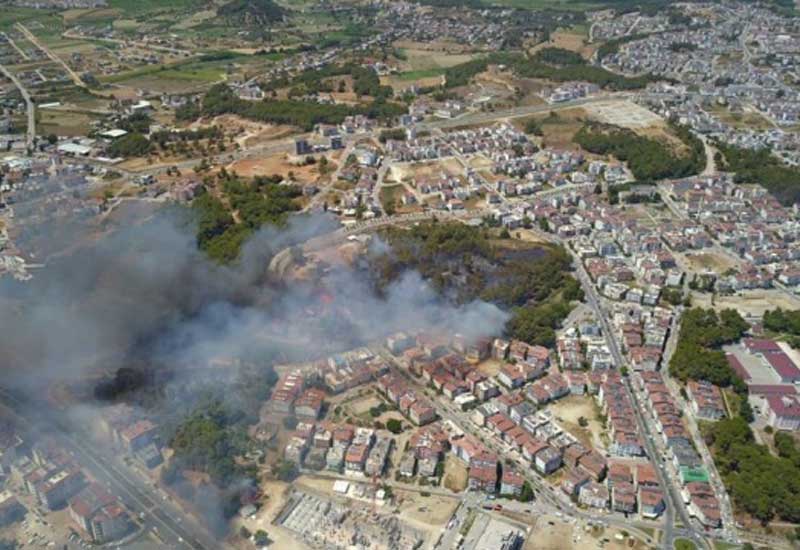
(257, 202)
(698, 355)
(649, 159)
(760, 484)
(220, 100)
(532, 282)
(763, 168)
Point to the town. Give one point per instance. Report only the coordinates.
(428, 274)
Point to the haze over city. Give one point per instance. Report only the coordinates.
(388, 274)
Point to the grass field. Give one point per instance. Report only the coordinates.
(420, 74)
(139, 7)
(27, 16)
(63, 123)
(684, 544)
(548, 4)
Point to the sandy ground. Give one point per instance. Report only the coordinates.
(552, 533)
(455, 474)
(490, 367)
(276, 164)
(752, 303)
(560, 129)
(432, 55)
(280, 537)
(568, 40)
(568, 411)
(623, 113)
(363, 405)
(718, 263)
(429, 514)
(406, 172)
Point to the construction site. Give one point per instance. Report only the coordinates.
(321, 522)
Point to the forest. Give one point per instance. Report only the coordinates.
(762, 167)
(763, 485)
(698, 355)
(258, 202)
(220, 100)
(465, 263)
(648, 159)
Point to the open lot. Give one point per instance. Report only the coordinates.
(750, 303)
(455, 474)
(709, 261)
(571, 409)
(559, 128)
(552, 533)
(623, 113)
(411, 171)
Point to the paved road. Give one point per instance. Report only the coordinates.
(31, 132)
(159, 515)
(674, 499)
(517, 112)
(139, 44)
(35, 41)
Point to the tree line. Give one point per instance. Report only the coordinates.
(220, 100)
(648, 159)
(465, 263)
(554, 64)
(762, 167)
(262, 201)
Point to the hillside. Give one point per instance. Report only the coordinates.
(248, 13)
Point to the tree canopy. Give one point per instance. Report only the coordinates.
(220, 99)
(258, 202)
(697, 355)
(648, 159)
(464, 263)
(762, 167)
(763, 485)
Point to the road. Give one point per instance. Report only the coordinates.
(35, 41)
(26, 96)
(16, 47)
(144, 45)
(160, 515)
(518, 112)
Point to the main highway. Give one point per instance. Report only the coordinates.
(155, 510)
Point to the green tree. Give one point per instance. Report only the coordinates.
(394, 425)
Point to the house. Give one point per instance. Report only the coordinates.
(56, 490)
(575, 479)
(594, 463)
(11, 510)
(378, 456)
(421, 413)
(511, 483)
(651, 502)
(138, 435)
(623, 498)
(593, 495)
(483, 478)
(547, 460)
(573, 453)
(619, 473)
(408, 465)
(646, 476)
(334, 459)
(783, 412)
(309, 404)
(356, 458)
(706, 400)
(99, 514)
